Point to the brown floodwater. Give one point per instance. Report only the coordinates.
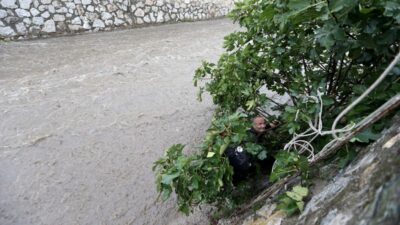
(84, 117)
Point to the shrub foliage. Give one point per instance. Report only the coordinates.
(297, 47)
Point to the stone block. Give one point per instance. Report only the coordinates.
(56, 4)
(11, 4)
(149, 2)
(76, 21)
(92, 16)
(139, 21)
(118, 22)
(70, 5)
(90, 8)
(22, 13)
(45, 15)
(98, 23)
(49, 26)
(38, 21)
(27, 21)
(146, 19)
(86, 2)
(42, 8)
(59, 18)
(86, 24)
(11, 19)
(160, 17)
(62, 10)
(61, 26)
(139, 12)
(21, 29)
(3, 13)
(120, 14)
(106, 16)
(51, 9)
(108, 22)
(7, 32)
(45, 2)
(80, 10)
(74, 27)
(25, 4)
(112, 7)
(34, 12)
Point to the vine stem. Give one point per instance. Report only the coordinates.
(373, 86)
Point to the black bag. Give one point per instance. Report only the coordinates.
(241, 162)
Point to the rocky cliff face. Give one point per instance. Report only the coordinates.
(367, 192)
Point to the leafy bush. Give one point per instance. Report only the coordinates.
(293, 201)
(288, 163)
(297, 47)
(205, 177)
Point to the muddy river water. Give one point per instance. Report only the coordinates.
(82, 119)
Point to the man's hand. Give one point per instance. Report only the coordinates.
(274, 124)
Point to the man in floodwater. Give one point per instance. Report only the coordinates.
(259, 131)
(242, 162)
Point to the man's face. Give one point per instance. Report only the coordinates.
(259, 124)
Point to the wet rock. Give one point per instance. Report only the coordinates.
(49, 26)
(74, 27)
(139, 12)
(86, 2)
(22, 13)
(58, 18)
(98, 23)
(45, 15)
(3, 13)
(51, 9)
(7, 32)
(70, 5)
(8, 4)
(160, 17)
(38, 21)
(112, 8)
(25, 4)
(76, 21)
(90, 8)
(11, 19)
(27, 21)
(34, 12)
(118, 22)
(106, 16)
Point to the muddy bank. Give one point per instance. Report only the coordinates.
(84, 117)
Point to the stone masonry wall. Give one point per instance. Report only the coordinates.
(22, 19)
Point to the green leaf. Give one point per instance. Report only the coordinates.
(365, 137)
(210, 154)
(295, 196)
(262, 155)
(168, 178)
(166, 193)
(300, 205)
(302, 191)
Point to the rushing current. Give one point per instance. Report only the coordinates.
(83, 118)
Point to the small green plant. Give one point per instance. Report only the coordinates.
(293, 201)
(288, 163)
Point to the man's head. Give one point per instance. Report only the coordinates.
(259, 124)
